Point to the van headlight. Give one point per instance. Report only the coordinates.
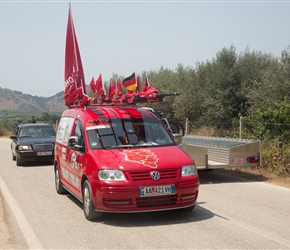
(24, 147)
(188, 170)
(111, 175)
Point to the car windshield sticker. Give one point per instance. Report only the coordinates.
(141, 156)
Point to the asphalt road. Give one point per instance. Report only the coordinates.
(232, 213)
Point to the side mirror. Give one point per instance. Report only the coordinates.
(13, 137)
(177, 138)
(73, 143)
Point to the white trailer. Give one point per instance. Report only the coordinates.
(217, 152)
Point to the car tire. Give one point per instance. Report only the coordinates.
(58, 185)
(88, 206)
(19, 162)
(13, 156)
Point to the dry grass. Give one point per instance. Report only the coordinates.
(260, 174)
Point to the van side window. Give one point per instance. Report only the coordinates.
(78, 131)
(64, 130)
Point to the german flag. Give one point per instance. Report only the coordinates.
(130, 82)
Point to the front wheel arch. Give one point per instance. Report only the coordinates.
(88, 205)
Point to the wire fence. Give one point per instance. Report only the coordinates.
(244, 129)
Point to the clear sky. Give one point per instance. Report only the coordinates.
(123, 37)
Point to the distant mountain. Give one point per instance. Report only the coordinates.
(17, 101)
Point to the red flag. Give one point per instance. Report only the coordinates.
(74, 73)
(112, 89)
(146, 85)
(92, 85)
(99, 85)
(130, 82)
(119, 93)
(103, 94)
(138, 85)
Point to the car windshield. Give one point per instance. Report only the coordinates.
(37, 131)
(124, 133)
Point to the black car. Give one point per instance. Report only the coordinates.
(32, 142)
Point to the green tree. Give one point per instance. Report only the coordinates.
(263, 80)
(221, 81)
(188, 104)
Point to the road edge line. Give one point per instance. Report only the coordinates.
(28, 233)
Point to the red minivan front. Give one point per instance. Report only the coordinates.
(155, 178)
(122, 159)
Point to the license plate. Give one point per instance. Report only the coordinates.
(157, 190)
(238, 160)
(43, 153)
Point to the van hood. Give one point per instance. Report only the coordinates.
(143, 158)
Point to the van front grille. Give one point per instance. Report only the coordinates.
(145, 175)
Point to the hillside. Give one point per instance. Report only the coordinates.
(17, 101)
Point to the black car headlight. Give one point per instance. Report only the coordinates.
(24, 147)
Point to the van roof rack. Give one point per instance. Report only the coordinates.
(151, 95)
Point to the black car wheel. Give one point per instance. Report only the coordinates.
(13, 156)
(89, 208)
(19, 161)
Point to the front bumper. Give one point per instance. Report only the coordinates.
(33, 156)
(124, 198)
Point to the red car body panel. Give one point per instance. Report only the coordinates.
(137, 164)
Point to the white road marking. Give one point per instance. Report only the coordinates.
(28, 233)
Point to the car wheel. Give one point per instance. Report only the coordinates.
(58, 185)
(89, 208)
(13, 156)
(19, 162)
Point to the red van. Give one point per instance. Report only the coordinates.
(122, 159)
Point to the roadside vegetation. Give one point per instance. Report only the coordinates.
(9, 120)
(215, 95)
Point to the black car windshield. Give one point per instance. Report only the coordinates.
(124, 133)
(37, 131)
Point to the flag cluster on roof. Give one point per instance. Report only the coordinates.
(75, 88)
